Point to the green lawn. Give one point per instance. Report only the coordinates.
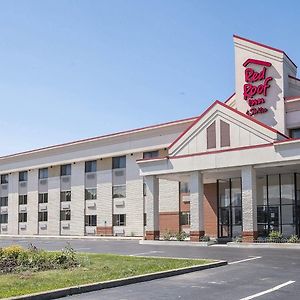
(96, 268)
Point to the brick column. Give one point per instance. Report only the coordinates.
(196, 206)
(152, 207)
(249, 209)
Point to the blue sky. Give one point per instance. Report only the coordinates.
(75, 69)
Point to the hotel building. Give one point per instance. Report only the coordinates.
(232, 171)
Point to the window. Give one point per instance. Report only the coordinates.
(43, 216)
(90, 194)
(90, 220)
(65, 215)
(4, 178)
(150, 154)
(225, 134)
(185, 218)
(119, 162)
(3, 201)
(119, 191)
(23, 176)
(184, 188)
(43, 173)
(43, 198)
(119, 220)
(65, 170)
(3, 218)
(22, 217)
(295, 133)
(90, 166)
(22, 199)
(65, 196)
(144, 189)
(211, 136)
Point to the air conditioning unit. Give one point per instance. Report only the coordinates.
(66, 179)
(43, 181)
(4, 186)
(4, 227)
(66, 226)
(43, 226)
(23, 208)
(91, 176)
(4, 209)
(65, 205)
(23, 184)
(91, 204)
(23, 226)
(43, 207)
(119, 173)
(119, 202)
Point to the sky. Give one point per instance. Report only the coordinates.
(73, 69)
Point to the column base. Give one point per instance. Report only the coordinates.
(195, 236)
(152, 235)
(249, 236)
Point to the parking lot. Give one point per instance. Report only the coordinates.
(251, 273)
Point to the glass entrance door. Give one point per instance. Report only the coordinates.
(229, 208)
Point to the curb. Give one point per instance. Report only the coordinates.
(54, 294)
(176, 243)
(70, 237)
(264, 245)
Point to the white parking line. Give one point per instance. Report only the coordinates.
(243, 260)
(275, 288)
(143, 253)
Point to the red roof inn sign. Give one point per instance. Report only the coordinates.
(256, 86)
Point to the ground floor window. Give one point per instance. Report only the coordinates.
(230, 207)
(90, 220)
(185, 218)
(278, 200)
(119, 220)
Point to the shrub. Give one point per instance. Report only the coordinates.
(275, 236)
(205, 238)
(293, 239)
(167, 235)
(181, 236)
(17, 259)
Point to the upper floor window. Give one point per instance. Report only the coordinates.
(211, 136)
(43, 173)
(4, 178)
(90, 194)
(65, 170)
(90, 166)
(224, 134)
(43, 197)
(150, 154)
(23, 176)
(22, 199)
(119, 162)
(295, 133)
(3, 201)
(184, 187)
(65, 196)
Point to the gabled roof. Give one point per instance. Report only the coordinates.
(240, 114)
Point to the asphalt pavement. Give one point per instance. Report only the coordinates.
(251, 273)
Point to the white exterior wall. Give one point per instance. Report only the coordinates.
(77, 202)
(53, 205)
(168, 196)
(32, 202)
(104, 193)
(13, 203)
(134, 207)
